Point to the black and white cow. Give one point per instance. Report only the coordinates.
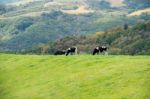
(71, 51)
(60, 52)
(100, 49)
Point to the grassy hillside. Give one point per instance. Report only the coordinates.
(140, 12)
(74, 77)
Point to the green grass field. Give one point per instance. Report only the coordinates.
(74, 77)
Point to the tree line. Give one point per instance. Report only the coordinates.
(127, 40)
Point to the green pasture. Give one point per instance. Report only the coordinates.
(74, 77)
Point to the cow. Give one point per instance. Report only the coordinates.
(71, 51)
(60, 52)
(100, 49)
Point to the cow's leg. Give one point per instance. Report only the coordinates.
(101, 52)
(94, 52)
(67, 53)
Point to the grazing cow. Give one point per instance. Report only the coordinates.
(60, 52)
(99, 49)
(71, 51)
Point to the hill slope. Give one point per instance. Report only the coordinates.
(74, 77)
(133, 40)
(38, 22)
(140, 12)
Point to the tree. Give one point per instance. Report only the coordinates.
(125, 26)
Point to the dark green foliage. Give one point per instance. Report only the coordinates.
(23, 33)
(99, 4)
(22, 25)
(144, 16)
(125, 26)
(132, 41)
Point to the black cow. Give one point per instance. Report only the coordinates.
(71, 51)
(60, 52)
(99, 49)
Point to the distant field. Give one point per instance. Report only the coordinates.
(22, 2)
(140, 12)
(74, 77)
(116, 2)
(80, 10)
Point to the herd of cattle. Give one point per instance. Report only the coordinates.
(73, 51)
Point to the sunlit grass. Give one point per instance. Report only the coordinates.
(74, 77)
(140, 12)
